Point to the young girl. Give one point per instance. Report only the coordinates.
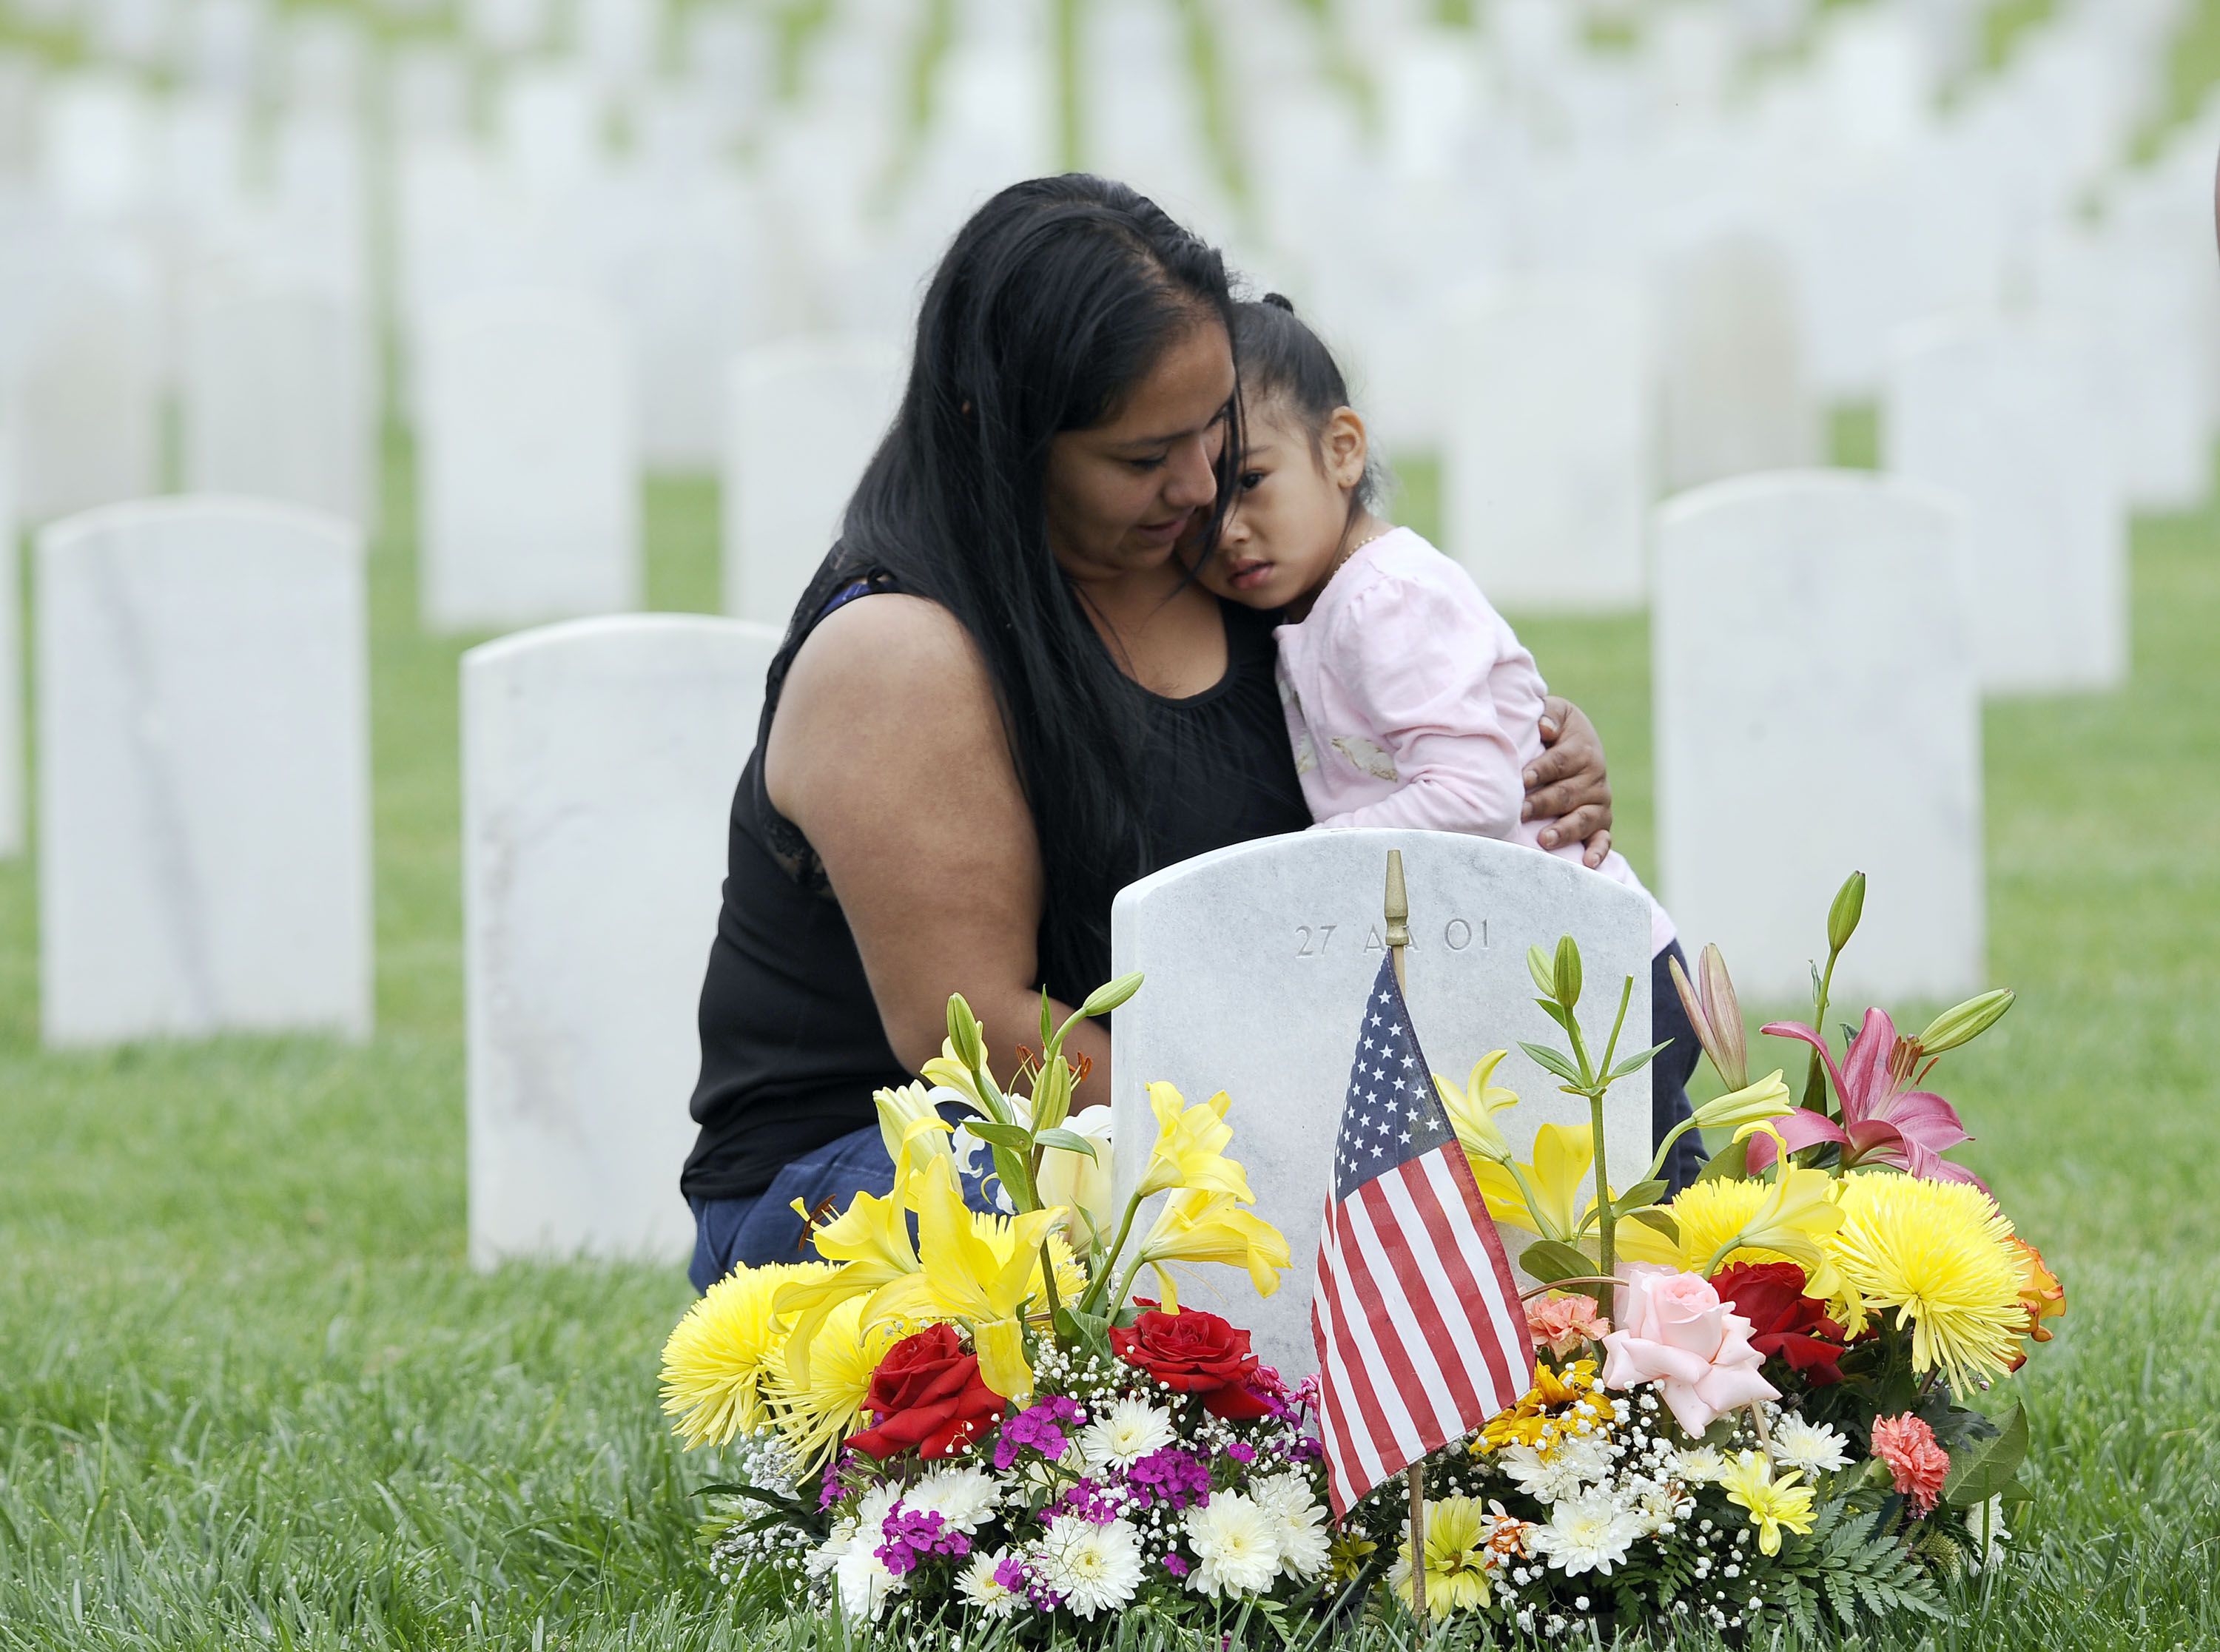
(1409, 700)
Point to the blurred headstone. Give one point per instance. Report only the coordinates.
(507, 28)
(88, 418)
(277, 401)
(96, 146)
(1736, 396)
(427, 91)
(204, 782)
(802, 419)
(1817, 714)
(224, 44)
(1295, 922)
(2004, 415)
(1551, 460)
(550, 122)
(531, 469)
(620, 40)
(599, 759)
(12, 775)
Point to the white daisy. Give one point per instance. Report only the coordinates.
(1813, 1447)
(1565, 1472)
(1586, 1533)
(864, 1584)
(1095, 1568)
(964, 1498)
(1299, 1523)
(1126, 1433)
(982, 1591)
(1234, 1550)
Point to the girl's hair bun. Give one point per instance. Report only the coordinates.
(1279, 301)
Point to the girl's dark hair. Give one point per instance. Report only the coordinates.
(1281, 359)
(1053, 304)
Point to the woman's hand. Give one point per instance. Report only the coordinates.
(1566, 786)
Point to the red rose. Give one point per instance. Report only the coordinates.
(1782, 1320)
(926, 1392)
(1197, 1353)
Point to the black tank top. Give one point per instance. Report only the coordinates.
(792, 1045)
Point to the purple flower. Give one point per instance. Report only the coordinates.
(1308, 1449)
(1242, 1451)
(1175, 1565)
(1040, 1426)
(912, 1535)
(1097, 1504)
(1013, 1574)
(1169, 1476)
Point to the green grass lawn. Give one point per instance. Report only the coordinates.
(250, 1393)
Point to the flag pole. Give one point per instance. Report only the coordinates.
(1398, 913)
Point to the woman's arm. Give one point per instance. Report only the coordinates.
(889, 752)
(1568, 782)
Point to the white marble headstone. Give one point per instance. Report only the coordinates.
(1551, 458)
(204, 784)
(531, 472)
(2006, 414)
(1816, 714)
(1738, 395)
(11, 659)
(1259, 959)
(802, 419)
(599, 759)
(89, 398)
(276, 402)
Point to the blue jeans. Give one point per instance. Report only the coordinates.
(763, 1228)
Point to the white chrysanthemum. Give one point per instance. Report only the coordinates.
(982, 1591)
(1565, 1471)
(1095, 1568)
(1660, 1506)
(1586, 1533)
(1987, 1523)
(964, 1498)
(1299, 1523)
(1236, 1551)
(1812, 1447)
(1124, 1434)
(1700, 1465)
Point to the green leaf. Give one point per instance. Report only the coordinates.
(1657, 1217)
(1982, 1471)
(1016, 1137)
(1636, 1197)
(1556, 1013)
(1567, 971)
(1547, 1259)
(1538, 965)
(1090, 1330)
(1635, 1064)
(1048, 1026)
(1069, 1140)
(1549, 1059)
(1730, 1163)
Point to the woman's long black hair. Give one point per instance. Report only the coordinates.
(1055, 301)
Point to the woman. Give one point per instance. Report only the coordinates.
(1036, 706)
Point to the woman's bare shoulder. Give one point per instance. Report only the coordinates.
(892, 681)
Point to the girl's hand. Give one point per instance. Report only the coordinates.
(1566, 785)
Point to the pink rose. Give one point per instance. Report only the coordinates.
(1674, 1331)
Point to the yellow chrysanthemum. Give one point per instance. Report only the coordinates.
(1775, 1505)
(999, 1237)
(716, 1360)
(1550, 1411)
(1460, 1576)
(1940, 1253)
(818, 1412)
(1708, 1215)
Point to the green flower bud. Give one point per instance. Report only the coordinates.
(1843, 917)
(1965, 1022)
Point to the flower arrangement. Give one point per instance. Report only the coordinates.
(984, 1423)
(1770, 1400)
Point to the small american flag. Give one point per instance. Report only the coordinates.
(1421, 1335)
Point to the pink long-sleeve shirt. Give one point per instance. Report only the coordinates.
(1410, 704)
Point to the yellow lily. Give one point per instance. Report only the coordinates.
(1797, 1218)
(1753, 1104)
(910, 1118)
(967, 1277)
(871, 1243)
(1472, 1110)
(1198, 1225)
(1190, 1150)
(1551, 1196)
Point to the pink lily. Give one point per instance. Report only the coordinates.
(1884, 1120)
